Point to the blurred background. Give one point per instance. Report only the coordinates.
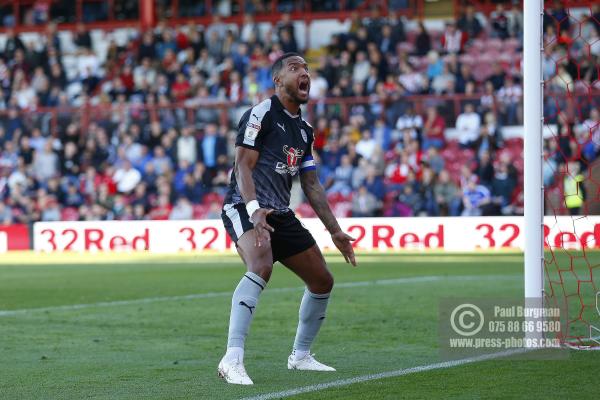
(123, 110)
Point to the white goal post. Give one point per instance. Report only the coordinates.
(533, 154)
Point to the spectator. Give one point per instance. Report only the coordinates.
(515, 22)
(72, 197)
(45, 162)
(410, 199)
(467, 125)
(574, 189)
(411, 122)
(183, 210)
(503, 187)
(387, 41)
(469, 23)
(423, 40)
(366, 145)
(397, 172)
(509, 97)
(212, 146)
(180, 90)
(500, 22)
(361, 68)
(127, 178)
(494, 129)
(435, 65)
(342, 182)
(488, 99)
(318, 86)
(443, 83)
(591, 131)
(18, 177)
(364, 203)
(453, 39)
(549, 168)
(497, 77)
(162, 209)
(485, 143)
(50, 209)
(463, 78)
(485, 169)
(374, 183)
(429, 206)
(410, 80)
(83, 39)
(433, 159)
(6, 217)
(8, 157)
(476, 198)
(447, 195)
(433, 129)
(187, 146)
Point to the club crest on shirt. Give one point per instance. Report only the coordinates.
(304, 135)
(293, 157)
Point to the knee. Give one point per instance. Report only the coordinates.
(323, 285)
(263, 270)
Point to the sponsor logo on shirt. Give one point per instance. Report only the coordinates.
(251, 132)
(293, 156)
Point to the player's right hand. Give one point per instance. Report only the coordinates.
(262, 228)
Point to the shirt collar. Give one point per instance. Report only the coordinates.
(275, 100)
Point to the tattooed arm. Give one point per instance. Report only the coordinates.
(316, 197)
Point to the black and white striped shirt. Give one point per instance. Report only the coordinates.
(284, 142)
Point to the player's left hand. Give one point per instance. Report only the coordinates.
(343, 242)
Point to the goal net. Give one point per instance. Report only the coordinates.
(571, 167)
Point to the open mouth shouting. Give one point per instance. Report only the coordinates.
(303, 87)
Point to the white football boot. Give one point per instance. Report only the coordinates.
(307, 363)
(233, 371)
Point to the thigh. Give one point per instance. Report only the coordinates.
(310, 266)
(258, 260)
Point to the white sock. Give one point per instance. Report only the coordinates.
(299, 354)
(243, 305)
(311, 316)
(234, 353)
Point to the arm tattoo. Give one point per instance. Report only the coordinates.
(316, 197)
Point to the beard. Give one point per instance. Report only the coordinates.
(292, 91)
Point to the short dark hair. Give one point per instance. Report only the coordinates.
(278, 64)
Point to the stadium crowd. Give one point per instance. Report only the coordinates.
(122, 143)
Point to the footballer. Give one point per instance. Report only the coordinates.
(274, 143)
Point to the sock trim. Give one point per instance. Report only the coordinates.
(317, 296)
(253, 280)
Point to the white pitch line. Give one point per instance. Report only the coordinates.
(147, 300)
(382, 375)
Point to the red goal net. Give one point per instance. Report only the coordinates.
(571, 170)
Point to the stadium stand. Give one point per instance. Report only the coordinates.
(410, 119)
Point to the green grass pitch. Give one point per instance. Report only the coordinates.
(156, 329)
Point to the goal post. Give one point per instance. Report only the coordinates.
(562, 151)
(533, 153)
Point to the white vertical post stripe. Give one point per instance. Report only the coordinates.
(533, 117)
